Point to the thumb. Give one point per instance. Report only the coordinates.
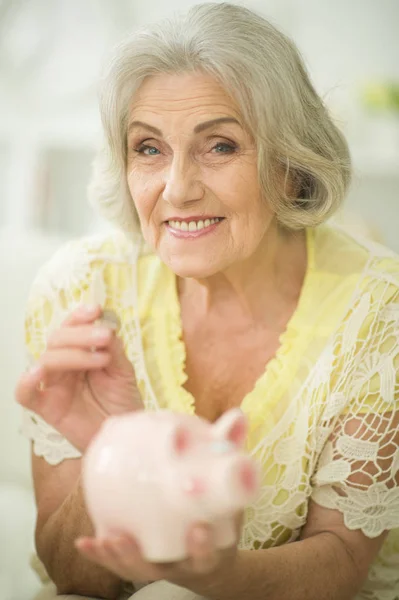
(111, 320)
(119, 360)
(121, 369)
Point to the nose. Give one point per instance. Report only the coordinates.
(182, 185)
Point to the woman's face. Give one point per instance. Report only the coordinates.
(192, 174)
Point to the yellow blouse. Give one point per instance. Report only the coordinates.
(323, 416)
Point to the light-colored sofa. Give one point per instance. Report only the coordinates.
(21, 254)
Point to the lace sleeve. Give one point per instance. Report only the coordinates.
(66, 281)
(47, 442)
(358, 468)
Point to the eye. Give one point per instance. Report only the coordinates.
(147, 150)
(224, 148)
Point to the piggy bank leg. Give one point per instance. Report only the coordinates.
(225, 533)
(169, 545)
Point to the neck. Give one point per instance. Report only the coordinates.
(257, 287)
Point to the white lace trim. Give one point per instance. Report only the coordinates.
(47, 442)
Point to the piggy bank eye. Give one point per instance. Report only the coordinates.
(222, 446)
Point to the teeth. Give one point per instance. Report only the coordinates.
(193, 225)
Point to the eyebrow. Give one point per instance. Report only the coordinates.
(197, 129)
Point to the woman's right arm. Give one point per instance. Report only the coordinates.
(81, 388)
(61, 519)
(80, 375)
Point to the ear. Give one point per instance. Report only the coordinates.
(232, 427)
(181, 440)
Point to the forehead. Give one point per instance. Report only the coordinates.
(187, 93)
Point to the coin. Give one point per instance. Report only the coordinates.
(109, 319)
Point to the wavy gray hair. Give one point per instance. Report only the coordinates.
(262, 70)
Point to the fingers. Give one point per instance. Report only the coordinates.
(98, 551)
(78, 345)
(204, 556)
(31, 388)
(121, 554)
(80, 336)
(90, 328)
(124, 554)
(84, 314)
(72, 359)
(118, 554)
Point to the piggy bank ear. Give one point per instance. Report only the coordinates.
(232, 427)
(180, 439)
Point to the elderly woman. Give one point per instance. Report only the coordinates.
(221, 166)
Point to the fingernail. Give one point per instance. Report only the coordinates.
(41, 386)
(101, 334)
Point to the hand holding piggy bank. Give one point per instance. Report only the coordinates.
(153, 475)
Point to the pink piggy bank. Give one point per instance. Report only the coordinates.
(154, 474)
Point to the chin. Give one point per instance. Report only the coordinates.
(193, 267)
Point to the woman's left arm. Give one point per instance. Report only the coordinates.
(354, 504)
(328, 562)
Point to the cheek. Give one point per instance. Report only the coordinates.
(242, 196)
(144, 191)
(252, 202)
(238, 186)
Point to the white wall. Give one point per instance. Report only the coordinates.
(49, 124)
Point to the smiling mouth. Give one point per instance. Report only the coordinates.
(193, 226)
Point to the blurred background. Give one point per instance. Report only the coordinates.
(51, 53)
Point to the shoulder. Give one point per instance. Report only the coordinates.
(374, 266)
(366, 288)
(76, 262)
(367, 344)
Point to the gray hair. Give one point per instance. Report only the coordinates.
(260, 67)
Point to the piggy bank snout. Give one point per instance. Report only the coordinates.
(243, 478)
(236, 484)
(247, 476)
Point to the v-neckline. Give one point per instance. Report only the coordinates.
(280, 368)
